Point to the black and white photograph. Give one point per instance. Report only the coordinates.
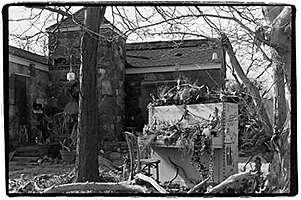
(160, 99)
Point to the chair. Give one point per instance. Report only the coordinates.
(141, 164)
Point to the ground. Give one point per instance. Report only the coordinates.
(34, 169)
(27, 177)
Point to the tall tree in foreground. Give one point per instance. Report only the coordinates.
(280, 37)
(87, 142)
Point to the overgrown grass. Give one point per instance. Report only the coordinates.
(35, 179)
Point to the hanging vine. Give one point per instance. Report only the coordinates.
(191, 140)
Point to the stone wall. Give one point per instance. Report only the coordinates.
(61, 46)
(110, 84)
(111, 105)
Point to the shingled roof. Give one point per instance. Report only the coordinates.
(27, 55)
(169, 53)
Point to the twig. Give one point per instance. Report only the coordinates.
(248, 161)
(62, 143)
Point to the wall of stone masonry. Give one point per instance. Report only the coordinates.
(110, 85)
(111, 109)
(62, 45)
(37, 82)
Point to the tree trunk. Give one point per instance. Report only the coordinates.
(87, 141)
(280, 19)
(280, 168)
(280, 38)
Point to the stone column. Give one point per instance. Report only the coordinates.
(111, 86)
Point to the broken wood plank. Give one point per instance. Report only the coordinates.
(121, 186)
(151, 181)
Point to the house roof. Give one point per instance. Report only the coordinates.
(27, 55)
(170, 53)
(154, 54)
(160, 53)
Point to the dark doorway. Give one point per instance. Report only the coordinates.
(21, 101)
(151, 87)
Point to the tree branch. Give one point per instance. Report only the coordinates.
(253, 90)
(196, 187)
(183, 33)
(53, 10)
(283, 18)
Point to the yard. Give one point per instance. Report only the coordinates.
(30, 170)
(35, 178)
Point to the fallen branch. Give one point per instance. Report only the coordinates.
(231, 180)
(195, 188)
(152, 182)
(121, 186)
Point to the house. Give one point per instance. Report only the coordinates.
(153, 64)
(128, 74)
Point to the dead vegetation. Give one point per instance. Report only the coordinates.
(111, 182)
